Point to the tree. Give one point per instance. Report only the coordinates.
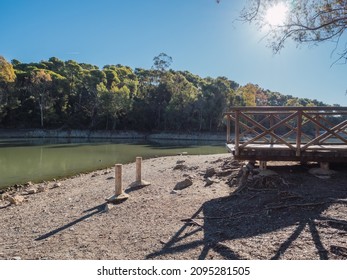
(162, 62)
(113, 103)
(92, 79)
(7, 77)
(7, 74)
(311, 21)
(180, 109)
(41, 81)
(248, 94)
(215, 94)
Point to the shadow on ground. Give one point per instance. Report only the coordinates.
(286, 213)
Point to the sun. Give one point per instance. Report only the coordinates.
(277, 14)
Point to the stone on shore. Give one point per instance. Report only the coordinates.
(209, 172)
(16, 199)
(183, 184)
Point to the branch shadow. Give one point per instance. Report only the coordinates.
(227, 220)
(101, 208)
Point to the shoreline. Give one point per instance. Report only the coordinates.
(101, 134)
(19, 181)
(207, 219)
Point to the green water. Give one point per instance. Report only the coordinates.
(37, 160)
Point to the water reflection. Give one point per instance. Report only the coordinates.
(23, 160)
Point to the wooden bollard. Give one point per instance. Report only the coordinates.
(138, 168)
(118, 182)
(119, 195)
(139, 182)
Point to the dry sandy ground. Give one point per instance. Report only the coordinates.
(299, 216)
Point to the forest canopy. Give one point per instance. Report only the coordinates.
(71, 95)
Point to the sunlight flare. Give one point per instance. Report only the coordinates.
(276, 15)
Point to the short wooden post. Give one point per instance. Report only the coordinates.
(139, 182)
(119, 194)
(138, 169)
(118, 182)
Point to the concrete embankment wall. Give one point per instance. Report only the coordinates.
(97, 134)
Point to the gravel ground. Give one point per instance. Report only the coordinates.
(291, 215)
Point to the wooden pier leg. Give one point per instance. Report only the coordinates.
(119, 194)
(324, 165)
(262, 165)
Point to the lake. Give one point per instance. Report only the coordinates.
(36, 160)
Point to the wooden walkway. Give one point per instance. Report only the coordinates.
(288, 133)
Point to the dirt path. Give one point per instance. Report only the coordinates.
(299, 217)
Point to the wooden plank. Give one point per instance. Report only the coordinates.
(318, 109)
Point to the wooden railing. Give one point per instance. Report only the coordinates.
(296, 128)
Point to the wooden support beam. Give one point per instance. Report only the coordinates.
(228, 128)
(298, 134)
(237, 132)
(324, 165)
(262, 165)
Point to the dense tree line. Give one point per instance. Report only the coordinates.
(70, 95)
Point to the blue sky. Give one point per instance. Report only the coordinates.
(200, 35)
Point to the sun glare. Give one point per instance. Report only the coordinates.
(276, 15)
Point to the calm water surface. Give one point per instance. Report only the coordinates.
(37, 159)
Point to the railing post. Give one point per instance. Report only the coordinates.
(316, 126)
(237, 132)
(298, 134)
(228, 128)
(271, 125)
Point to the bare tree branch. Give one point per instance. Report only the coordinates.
(311, 21)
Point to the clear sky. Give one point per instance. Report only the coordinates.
(200, 35)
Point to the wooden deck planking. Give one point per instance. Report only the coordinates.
(279, 152)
